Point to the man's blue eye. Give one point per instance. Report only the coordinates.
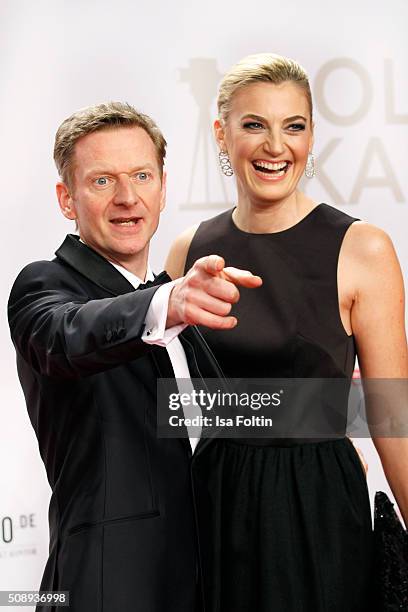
(102, 181)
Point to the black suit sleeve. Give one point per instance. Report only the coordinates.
(62, 333)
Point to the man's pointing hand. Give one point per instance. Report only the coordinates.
(204, 296)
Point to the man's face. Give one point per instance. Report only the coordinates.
(117, 194)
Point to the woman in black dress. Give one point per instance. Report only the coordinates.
(285, 525)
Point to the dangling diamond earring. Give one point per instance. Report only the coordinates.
(225, 163)
(310, 169)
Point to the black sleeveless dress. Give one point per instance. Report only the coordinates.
(285, 525)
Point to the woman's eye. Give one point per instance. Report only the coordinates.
(253, 125)
(102, 181)
(296, 127)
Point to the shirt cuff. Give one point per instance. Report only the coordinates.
(156, 316)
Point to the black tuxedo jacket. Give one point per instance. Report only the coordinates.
(122, 528)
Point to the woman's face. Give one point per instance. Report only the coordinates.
(268, 135)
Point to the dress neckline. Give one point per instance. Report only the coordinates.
(285, 231)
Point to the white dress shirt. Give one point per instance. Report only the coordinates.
(156, 333)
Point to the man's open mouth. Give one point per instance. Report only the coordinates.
(125, 221)
(273, 168)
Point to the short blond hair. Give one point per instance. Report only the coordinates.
(109, 115)
(261, 67)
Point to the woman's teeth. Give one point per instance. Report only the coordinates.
(277, 169)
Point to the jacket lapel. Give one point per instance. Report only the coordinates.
(99, 271)
(202, 364)
(200, 359)
(95, 267)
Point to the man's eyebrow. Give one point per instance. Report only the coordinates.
(111, 170)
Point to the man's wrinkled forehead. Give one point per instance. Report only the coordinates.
(114, 150)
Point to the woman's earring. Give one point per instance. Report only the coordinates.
(225, 163)
(310, 169)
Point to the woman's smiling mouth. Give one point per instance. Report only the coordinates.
(271, 170)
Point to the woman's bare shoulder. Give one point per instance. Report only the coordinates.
(176, 259)
(369, 253)
(366, 240)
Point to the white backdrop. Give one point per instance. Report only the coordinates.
(166, 58)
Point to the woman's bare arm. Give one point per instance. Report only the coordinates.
(176, 259)
(378, 323)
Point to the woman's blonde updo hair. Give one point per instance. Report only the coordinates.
(261, 67)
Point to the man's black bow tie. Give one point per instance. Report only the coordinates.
(161, 278)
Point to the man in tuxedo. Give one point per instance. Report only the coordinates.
(92, 338)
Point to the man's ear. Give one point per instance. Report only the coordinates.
(65, 201)
(163, 191)
(219, 133)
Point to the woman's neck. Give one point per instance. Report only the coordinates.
(258, 218)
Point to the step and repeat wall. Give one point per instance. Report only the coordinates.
(167, 60)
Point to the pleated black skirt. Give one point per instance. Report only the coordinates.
(284, 528)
